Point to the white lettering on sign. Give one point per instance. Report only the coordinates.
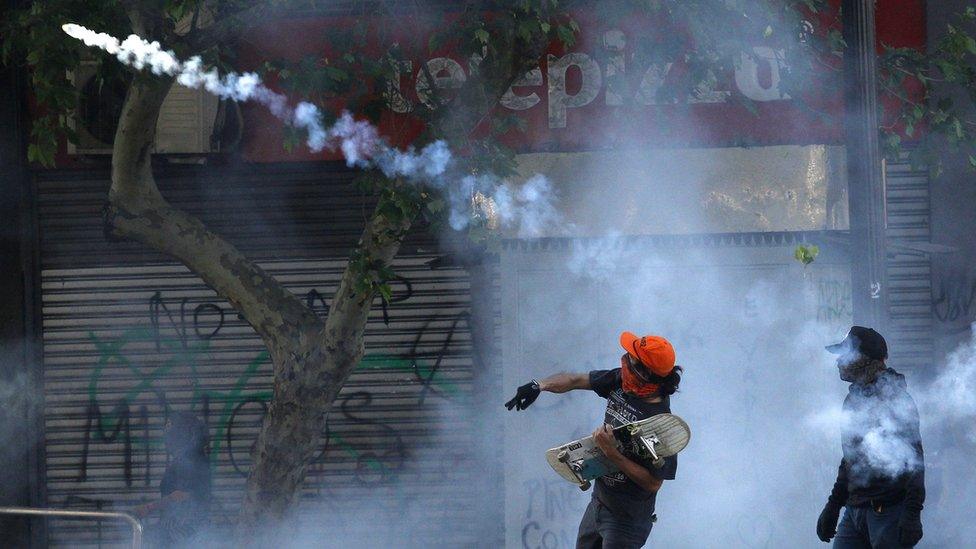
(447, 74)
(559, 99)
(522, 102)
(651, 82)
(747, 74)
(705, 92)
(394, 93)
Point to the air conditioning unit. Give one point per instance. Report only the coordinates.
(185, 126)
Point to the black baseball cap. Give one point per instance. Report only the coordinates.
(863, 340)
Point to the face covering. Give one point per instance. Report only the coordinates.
(862, 370)
(632, 383)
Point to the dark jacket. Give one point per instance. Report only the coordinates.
(181, 520)
(883, 460)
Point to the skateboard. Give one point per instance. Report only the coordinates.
(656, 438)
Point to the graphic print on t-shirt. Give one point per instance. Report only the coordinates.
(622, 409)
(619, 412)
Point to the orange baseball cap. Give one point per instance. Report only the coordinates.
(654, 352)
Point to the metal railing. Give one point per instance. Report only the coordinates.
(70, 513)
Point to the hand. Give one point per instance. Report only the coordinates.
(524, 396)
(604, 439)
(142, 511)
(827, 523)
(909, 528)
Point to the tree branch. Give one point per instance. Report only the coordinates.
(343, 331)
(138, 211)
(311, 375)
(132, 178)
(274, 312)
(148, 24)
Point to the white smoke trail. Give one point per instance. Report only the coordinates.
(359, 141)
(528, 210)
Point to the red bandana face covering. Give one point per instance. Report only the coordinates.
(633, 384)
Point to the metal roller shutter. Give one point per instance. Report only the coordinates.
(909, 268)
(128, 335)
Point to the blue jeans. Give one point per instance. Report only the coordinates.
(601, 529)
(866, 528)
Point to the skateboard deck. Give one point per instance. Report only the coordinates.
(656, 437)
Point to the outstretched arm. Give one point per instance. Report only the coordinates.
(145, 509)
(564, 382)
(558, 383)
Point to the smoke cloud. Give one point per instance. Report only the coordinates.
(952, 395)
(888, 432)
(759, 391)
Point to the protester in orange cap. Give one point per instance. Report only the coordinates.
(621, 512)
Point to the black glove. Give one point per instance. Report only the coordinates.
(827, 523)
(525, 396)
(909, 528)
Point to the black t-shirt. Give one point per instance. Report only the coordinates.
(617, 492)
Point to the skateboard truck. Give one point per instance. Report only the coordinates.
(583, 483)
(648, 444)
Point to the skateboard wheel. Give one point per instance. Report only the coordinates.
(563, 456)
(658, 463)
(585, 486)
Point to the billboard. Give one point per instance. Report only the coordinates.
(600, 94)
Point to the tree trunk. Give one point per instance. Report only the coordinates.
(307, 381)
(311, 359)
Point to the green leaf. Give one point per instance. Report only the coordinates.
(566, 35)
(481, 35)
(525, 30)
(806, 254)
(436, 205)
(948, 69)
(972, 160)
(892, 140)
(385, 292)
(835, 40)
(335, 74)
(434, 42)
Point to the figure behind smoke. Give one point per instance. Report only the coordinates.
(881, 477)
(184, 506)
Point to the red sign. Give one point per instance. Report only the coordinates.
(593, 96)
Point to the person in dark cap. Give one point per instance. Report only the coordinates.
(881, 478)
